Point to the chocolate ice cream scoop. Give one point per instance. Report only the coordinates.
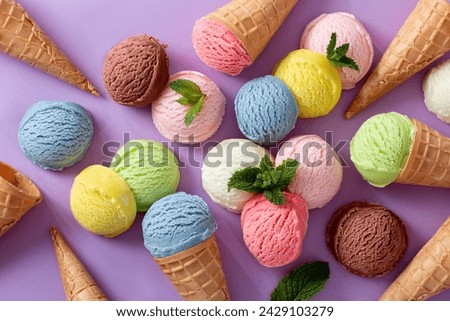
(136, 70)
(366, 238)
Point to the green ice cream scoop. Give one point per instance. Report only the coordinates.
(381, 147)
(150, 169)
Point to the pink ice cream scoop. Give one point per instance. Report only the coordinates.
(169, 115)
(232, 37)
(319, 175)
(219, 48)
(348, 29)
(274, 233)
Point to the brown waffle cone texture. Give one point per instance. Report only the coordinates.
(18, 194)
(78, 283)
(22, 38)
(423, 38)
(197, 272)
(427, 274)
(428, 163)
(253, 22)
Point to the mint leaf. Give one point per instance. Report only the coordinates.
(337, 56)
(183, 101)
(187, 89)
(350, 63)
(266, 179)
(266, 164)
(302, 283)
(192, 95)
(245, 179)
(331, 45)
(275, 196)
(193, 111)
(342, 50)
(287, 170)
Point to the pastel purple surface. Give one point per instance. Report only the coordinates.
(86, 30)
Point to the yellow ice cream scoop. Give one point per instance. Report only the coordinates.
(102, 202)
(313, 80)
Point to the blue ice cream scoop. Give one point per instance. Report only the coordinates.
(55, 134)
(266, 110)
(176, 223)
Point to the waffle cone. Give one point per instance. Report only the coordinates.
(78, 283)
(428, 163)
(22, 38)
(18, 195)
(423, 38)
(428, 273)
(197, 272)
(254, 22)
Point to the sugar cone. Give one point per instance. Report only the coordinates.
(18, 195)
(22, 38)
(423, 38)
(428, 163)
(197, 272)
(78, 283)
(428, 273)
(254, 22)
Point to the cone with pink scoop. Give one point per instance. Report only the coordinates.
(23, 39)
(78, 283)
(427, 274)
(423, 38)
(232, 37)
(18, 194)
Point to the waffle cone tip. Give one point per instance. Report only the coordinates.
(423, 38)
(22, 38)
(77, 282)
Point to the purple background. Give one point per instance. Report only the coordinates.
(86, 30)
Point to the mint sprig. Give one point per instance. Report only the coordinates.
(192, 96)
(266, 179)
(302, 283)
(337, 56)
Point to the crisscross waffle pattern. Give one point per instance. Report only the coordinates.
(423, 38)
(197, 272)
(78, 283)
(14, 201)
(21, 38)
(428, 273)
(428, 163)
(254, 22)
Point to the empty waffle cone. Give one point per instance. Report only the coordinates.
(197, 272)
(78, 283)
(423, 38)
(428, 163)
(18, 195)
(22, 38)
(428, 273)
(254, 22)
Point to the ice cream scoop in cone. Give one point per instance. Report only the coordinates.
(427, 274)
(428, 163)
(78, 283)
(197, 272)
(232, 37)
(179, 232)
(18, 194)
(391, 147)
(23, 39)
(423, 38)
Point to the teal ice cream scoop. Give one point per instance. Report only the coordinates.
(266, 110)
(55, 134)
(176, 223)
